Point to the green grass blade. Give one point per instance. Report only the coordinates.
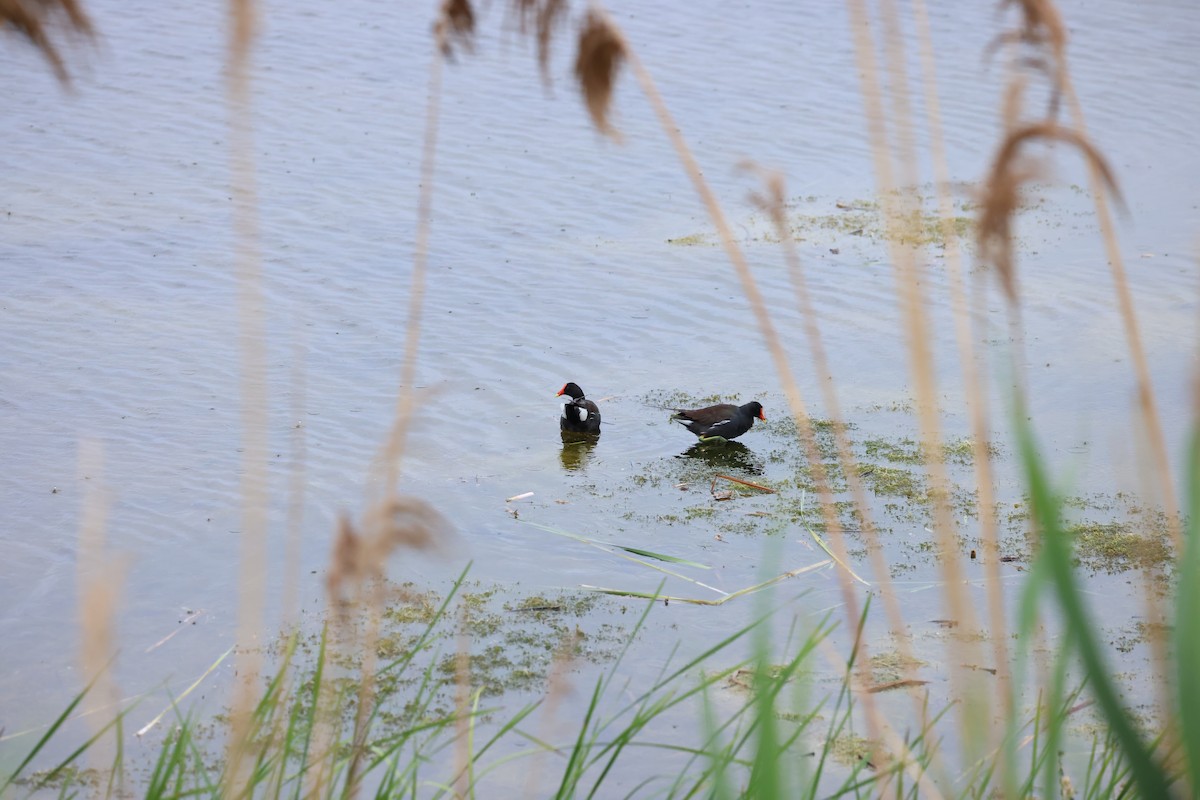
(1056, 551)
(46, 737)
(1187, 611)
(608, 546)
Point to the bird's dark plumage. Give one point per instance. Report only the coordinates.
(579, 415)
(725, 421)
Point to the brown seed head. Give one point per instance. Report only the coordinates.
(32, 20)
(1002, 193)
(601, 50)
(455, 26)
(360, 559)
(542, 18)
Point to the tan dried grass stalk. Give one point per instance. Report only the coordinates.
(1101, 183)
(462, 707)
(100, 578)
(976, 391)
(356, 583)
(252, 340)
(33, 19)
(773, 203)
(601, 51)
(297, 483)
(541, 19)
(357, 588)
(557, 687)
(876, 724)
(918, 338)
(393, 451)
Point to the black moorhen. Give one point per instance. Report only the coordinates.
(722, 421)
(579, 415)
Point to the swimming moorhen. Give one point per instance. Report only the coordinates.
(579, 415)
(724, 421)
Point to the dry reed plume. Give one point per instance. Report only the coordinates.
(601, 51)
(358, 590)
(542, 20)
(359, 561)
(34, 20)
(1002, 195)
(455, 26)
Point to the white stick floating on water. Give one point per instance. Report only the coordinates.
(518, 497)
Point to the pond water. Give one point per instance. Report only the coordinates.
(551, 260)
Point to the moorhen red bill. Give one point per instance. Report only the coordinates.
(579, 415)
(724, 421)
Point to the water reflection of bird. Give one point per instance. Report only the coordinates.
(579, 415)
(726, 456)
(724, 421)
(577, 450)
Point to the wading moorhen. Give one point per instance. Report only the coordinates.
(724, 421)
(579, 415)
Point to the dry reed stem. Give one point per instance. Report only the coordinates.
(601, 51)
(406, 398)
(766, 329)
(917, 334)
(1100, 182)
(100, 579)
(773, 203)
(357, 577)
(462, 706)
(33, 20)
(252, 341)
(297, 483)
(542, 19)
(976, 391)
(357, 585)
(558, 687)
(886, 735)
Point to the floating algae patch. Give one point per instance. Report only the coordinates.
(1118, 546)
(506, 643)
(900, 493)
(896, 482)
(902, 451)
(960, 452)
(694, 240)
(892, 666)
(918, 226)
(670, 400)
(1110, 533)
(746, 677)
(850, 749)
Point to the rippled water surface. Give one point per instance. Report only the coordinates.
(550, 261)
